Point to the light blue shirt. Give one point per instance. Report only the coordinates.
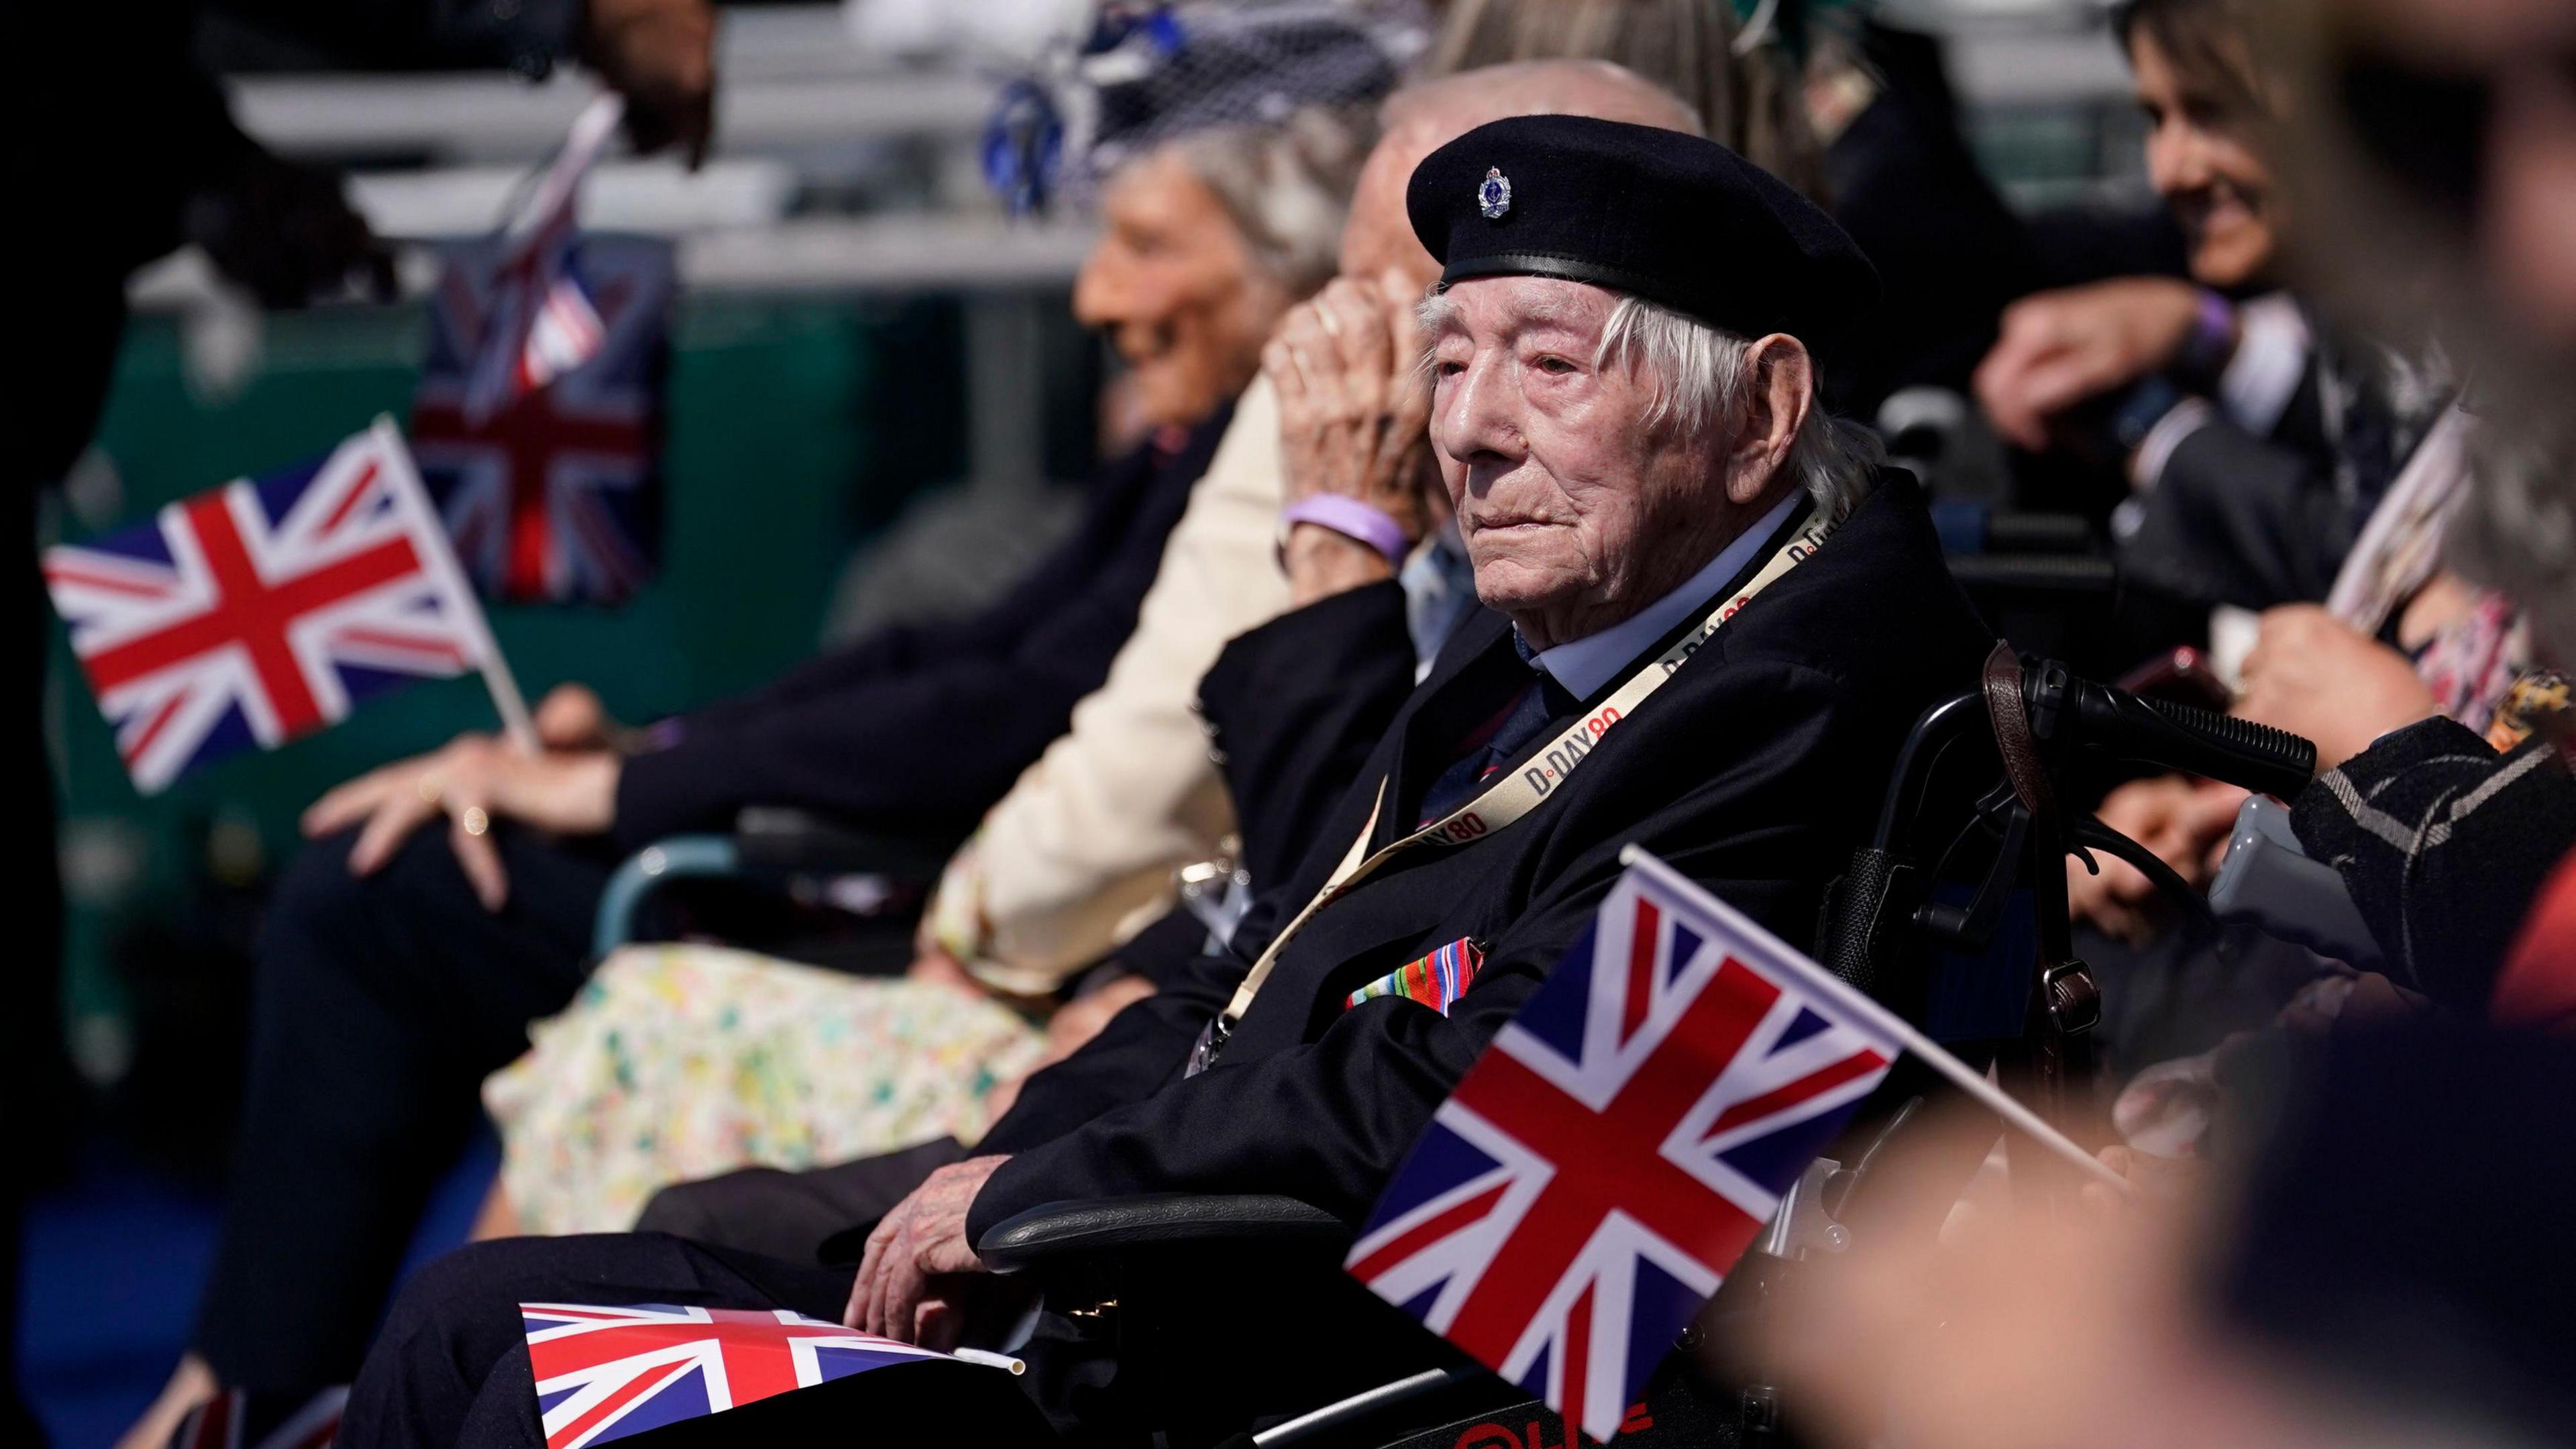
(1586, 664)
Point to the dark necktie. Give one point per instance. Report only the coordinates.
(1493, 744)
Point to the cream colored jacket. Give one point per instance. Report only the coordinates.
(1080, 854)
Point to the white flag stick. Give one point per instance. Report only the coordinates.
(590, 132)
(431, 533)
(1848, 998)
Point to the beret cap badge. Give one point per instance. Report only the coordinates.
(1494, 194)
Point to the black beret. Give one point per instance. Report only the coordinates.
(1672, 218)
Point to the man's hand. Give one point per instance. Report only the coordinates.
(1354, 413)
(660, 55)
(474, 782)
(897, 1293)
(2314, 675)
(2060, 348)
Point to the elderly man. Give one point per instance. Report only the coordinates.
(1715, 622)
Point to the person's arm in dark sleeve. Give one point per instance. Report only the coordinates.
(1294, 708)
(928, 750)
(923, 727)
(1137, 1053)
(2444, 844)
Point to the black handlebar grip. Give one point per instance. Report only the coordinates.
(2202, 742)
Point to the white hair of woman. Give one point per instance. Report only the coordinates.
(1287, 187)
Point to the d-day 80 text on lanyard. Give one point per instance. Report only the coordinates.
(1515, 795)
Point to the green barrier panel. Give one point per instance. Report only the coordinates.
(795, 427)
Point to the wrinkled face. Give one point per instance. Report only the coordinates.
(2203, 165)
(1570, 504)
(1173, 285)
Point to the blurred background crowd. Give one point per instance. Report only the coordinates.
(2231, 340)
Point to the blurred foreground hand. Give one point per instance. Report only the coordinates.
(661, 56)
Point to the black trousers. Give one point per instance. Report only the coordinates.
(381, 1005)
(820, 1215)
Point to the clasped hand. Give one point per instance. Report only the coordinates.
(1354, 413)
(569, 788)
(906, 1288)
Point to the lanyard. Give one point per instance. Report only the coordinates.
(1517, 794)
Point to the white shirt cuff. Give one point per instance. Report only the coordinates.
(2272, 343)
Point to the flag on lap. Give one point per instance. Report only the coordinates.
(606, 1373)
(1602, 1166)
(537, 418)
(263, 610)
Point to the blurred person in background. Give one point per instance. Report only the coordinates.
(2357, 1268)
(122, 148)
(2443, 161)
(2447, 135)
(2253, 438)
(401, 963)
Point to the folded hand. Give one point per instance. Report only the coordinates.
(899, 1293)
(1354, 411)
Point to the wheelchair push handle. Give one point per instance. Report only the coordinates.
(2188, 738)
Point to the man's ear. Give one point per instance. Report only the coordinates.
(1779, 388)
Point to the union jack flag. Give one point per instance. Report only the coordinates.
(263, 610)
(1615, 1150)
(606, 1373)
(538, 413)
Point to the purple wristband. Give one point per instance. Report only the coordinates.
(1352, 519)
(2213, 337)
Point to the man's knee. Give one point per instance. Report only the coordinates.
(455, 1293)
(693, 1209)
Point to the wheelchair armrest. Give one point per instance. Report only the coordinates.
(1058, 1233)
(784, 838)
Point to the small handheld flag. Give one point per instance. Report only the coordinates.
(537, 417)
(607, 1373)
(265, 609)
(1600, 1169)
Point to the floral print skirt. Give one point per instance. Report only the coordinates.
(682, 1061)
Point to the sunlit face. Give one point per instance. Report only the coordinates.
(2202, 163)
(1571, 504)
(1173, 285)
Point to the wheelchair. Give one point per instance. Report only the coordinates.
(785, 881)
(1212, 1305)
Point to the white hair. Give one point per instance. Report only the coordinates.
(1701, 384)
(1287, 186)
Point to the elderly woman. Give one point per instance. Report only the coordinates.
(402, 965)
(681, 1061)
(1713, 623)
